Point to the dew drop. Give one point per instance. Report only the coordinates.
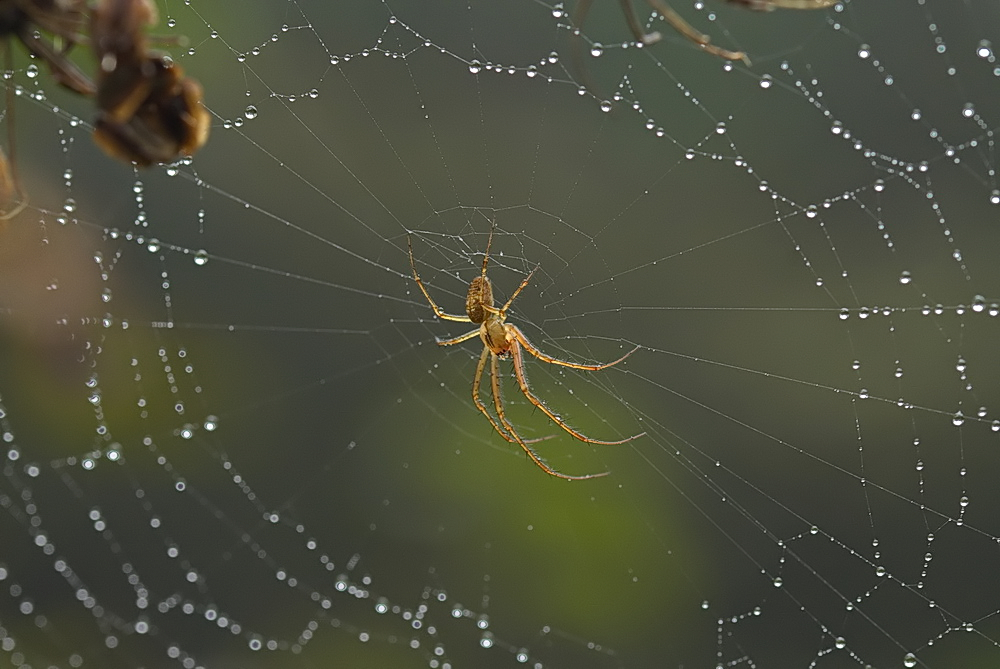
(250, 113)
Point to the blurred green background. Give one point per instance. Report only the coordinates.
(298, 464)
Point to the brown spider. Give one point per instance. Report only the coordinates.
(501, 339)
(687, 30)
(148, 111)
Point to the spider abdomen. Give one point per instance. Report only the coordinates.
(480, 293)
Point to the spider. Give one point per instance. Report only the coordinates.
(687, 30)
(500, 340)
(148, 111)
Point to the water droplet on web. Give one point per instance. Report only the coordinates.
(766, 81)
(475, 67)
(995, 196)
(605, 106)
(250, 112)
(201, 257)
(909, 660)
(32, 71)
(915, 115)
(864, 51)
(905, 277)
(153, 245)
(596, 49)
(968, 110)
(958, 419)
(777, 582)
(557, 11)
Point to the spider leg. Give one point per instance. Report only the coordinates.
(640, 35)
(687, 30)
(520, 337)
(502, 311)
(522, 381)
(476, 382)
(438, 311)
(459, 339)
(489, 243)
(498, 403)
(63, 69)
(10, 181)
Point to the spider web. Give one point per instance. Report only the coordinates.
(230, 438)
